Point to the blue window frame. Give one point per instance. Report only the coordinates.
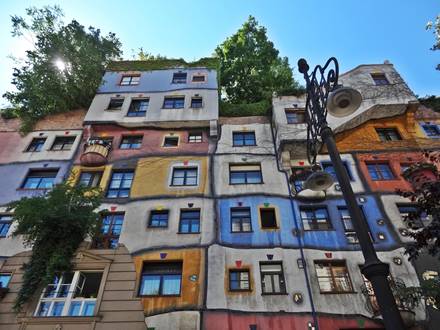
(158, 219)
(241, 220)
(138, 108)
(315, 218)
(131, 142)
(241, 139)
(330, 169)
(431, 130)
(245, 174)
(179, 78)
(189, 221)
(185, 176)
(110, 231)
(5, 224)
(161, 279)
(120, 184)
(36, 145)
(174, 102)
(40, 179)
(380, 171)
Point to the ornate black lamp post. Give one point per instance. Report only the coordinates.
(324, 94)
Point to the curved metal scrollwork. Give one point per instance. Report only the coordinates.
(320, 83)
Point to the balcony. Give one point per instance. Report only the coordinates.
(96, 151)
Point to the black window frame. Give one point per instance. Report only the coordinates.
(266, 210)
(134, 110)
(179, 80)
(158, 212)
(119, 190)
(32, 173)
(191, 220)
(36, 145)
(198, 76)
(92, 180)
(196, 102)
(243, 136)
(282, 279)
(314, 224)
(178, 270)
(387, 134)
(174, 100)
(5, 222)
(116, 100)
(240, 219)
(246, 173)
(65, 141)
(106, 240)
(185, 176)
(170, 138)
(131, 141)
(299, 113)
(239, 271)
(351, 232)
(379, 79)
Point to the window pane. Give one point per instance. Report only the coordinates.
(171, 284)
(89, 307)
(4, 280)
(150, 285)
(254, 177)
(74, 309)
(57, 308)
(44, 309)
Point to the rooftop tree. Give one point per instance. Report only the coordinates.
(63, 69)
(435, 27)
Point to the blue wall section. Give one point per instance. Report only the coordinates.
(157, 81)
(13, 176)
(334, 239)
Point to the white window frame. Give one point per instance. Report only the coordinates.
(69, 299)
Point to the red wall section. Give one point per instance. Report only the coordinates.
(394, 160)
(151, 143)
(237, 321)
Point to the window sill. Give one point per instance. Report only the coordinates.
(59, 319)
(242, 232)
(198, 232)
(183, 185)
(172, 108)
(240, 291)
(157, 227)
(248, 145)
(160, 296)
(237, 184)
(275, 294)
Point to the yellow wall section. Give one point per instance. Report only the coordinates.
(153, 174)
(106, 173)
(191, 291)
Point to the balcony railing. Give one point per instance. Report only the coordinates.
(96, 152)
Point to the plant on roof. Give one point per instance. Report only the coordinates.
(54, 225)
(63, 67)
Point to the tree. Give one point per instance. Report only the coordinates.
(54, 225)
(250, 67)
(64, 68)
(435, 27)
(146, 56)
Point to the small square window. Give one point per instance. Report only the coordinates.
(295, 116)
(40, 179)
(388, 134)
(138, 108)
(241, 139)
(120, 184)
(158, 219)
(198, 78)
(380, 171)
(189, 222)
(131, 142)
(196, 102)
(90, 179)
(174, 102)
(36, 145)
(195, 137)
(130, 80)
(241, 220)
(171, 141)
(379, 79)
(184, 176)
(63, 143)
(5, 224)
(179, 78)
(115, 103)
(4, 279)
(268, 218)
(239, 280)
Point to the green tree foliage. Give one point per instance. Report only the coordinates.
(64, 68)
(143, 55)
(250, 67)
(431, 101)
(435, 27)
(54, 225)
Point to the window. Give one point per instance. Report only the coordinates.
(110, 231)
(138, 108)
(239, 280)
(4, 280)
(120, 184)
(379, 79)
(299, 176)
(198, 78)
(329, 168)
(244, 174)
(295, 116)
(195, 137)
(272, 278)
(174, 102)
(412, 215)
(63, 143)
(186, 176)
(179, 78)
(189, 221)
(161, 279)
(380, 171)
(388, 134)
(36, 145)
(115, 103)
(5, 224)
(348, 225)
(70, 294)
(315, 218)
(241, 220)
(171, 141)
(268, 218)
(196, 102)
(130, 80)
(40, 179)
(333, 276)
(431, 130)
(158, 219)
(131, 142)
(90, 179)
(241, 139)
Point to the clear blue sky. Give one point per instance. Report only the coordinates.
(354, 31)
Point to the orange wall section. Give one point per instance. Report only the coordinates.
(191, 295)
